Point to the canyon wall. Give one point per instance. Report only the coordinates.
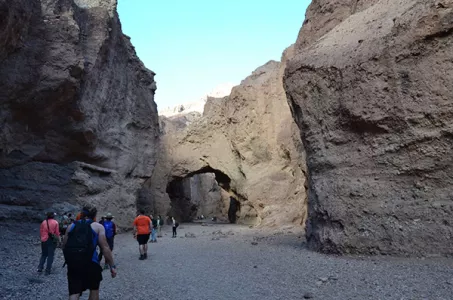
(371, 88)
(252, 145)
(78, 118)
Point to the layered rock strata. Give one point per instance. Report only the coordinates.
(371, 90)
(78, 119)
(252, 145)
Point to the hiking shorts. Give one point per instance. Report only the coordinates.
(86, 279)
(143, 239)
(110, 242)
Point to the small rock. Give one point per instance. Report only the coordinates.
(35, 280)
(190, 235)
(333, 278)
(254, 243)
(319, 283)
(308, 296)
(323, 279)
(215, 238)
(255, 267)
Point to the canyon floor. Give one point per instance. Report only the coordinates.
(226, 262)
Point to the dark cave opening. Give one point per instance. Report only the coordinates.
(202, 193)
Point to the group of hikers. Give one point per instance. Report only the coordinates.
(82, 236)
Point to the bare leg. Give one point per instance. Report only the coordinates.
(94, 295)
(74, 297)
(142, 249)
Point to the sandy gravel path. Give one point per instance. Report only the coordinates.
(236, 263)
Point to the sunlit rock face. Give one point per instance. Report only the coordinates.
(79, 122)
(251, 143)
(370, 87)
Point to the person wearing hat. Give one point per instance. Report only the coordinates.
(50, 236)
(110, 232)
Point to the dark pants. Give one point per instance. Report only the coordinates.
(47, 252)
(110, 241)
(174, 231)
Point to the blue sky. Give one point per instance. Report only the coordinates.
(196, 45)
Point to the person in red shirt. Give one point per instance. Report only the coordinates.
(142, 229)
(50, 234)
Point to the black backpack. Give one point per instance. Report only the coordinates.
(79, 248)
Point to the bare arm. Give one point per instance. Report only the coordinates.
(134, 231)
(65, 238)
(58, 230)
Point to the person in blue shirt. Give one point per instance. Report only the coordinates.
(110, 232)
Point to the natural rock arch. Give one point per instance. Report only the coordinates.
(205, 192)
(249, 136)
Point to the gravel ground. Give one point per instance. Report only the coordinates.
(227, 262)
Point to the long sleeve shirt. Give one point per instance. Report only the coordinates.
(53, 228)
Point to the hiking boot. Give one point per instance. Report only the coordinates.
(39, 270)
(142, 257)
(47, 272)
(145, 255)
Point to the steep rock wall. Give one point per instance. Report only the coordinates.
(252, 144)
(78, 119)
(372, 95)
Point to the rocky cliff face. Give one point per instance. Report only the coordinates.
(371, 90)
(78, 119)
(252, 145)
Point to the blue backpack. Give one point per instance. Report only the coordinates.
(109, 231)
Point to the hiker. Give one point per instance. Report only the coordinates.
(65, 223)
(50, 236)
(142, 228)
(174, 226)
(153, 230)
(79, 249)
(110, 232)
(160, 223)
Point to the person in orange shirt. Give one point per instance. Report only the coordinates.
(80, 217)
(50, 234)
(142, 229)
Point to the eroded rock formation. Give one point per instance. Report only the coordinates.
(371, 90)
(78, 119)
(251, 143)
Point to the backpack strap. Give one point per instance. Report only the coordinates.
(48, 228)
